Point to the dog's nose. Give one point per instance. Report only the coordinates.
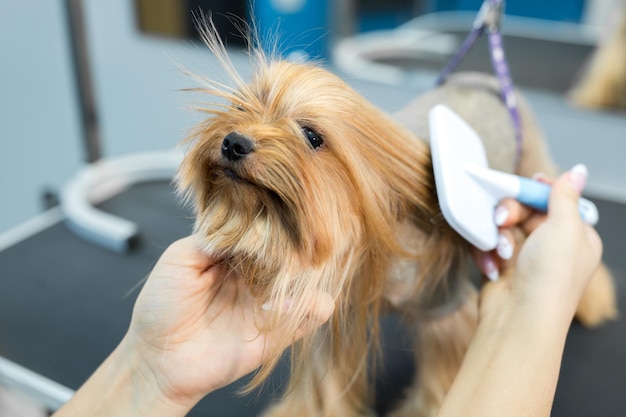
(236, 146)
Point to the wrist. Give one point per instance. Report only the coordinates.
(122, 386)
(528, 318)
(528, 300)
(515, 353)
(150, 389)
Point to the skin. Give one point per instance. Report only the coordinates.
(513, 362)
(193, 332)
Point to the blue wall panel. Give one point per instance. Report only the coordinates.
(570, 10)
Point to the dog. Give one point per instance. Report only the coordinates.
(302, 186)
(603, 84)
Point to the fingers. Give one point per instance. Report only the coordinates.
(505, 248)
(563, 205)
(487, 264)
(185, 252)
(563, 202)
(509, 212)
(566, 190)
(492, 262)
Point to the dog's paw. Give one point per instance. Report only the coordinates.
(599, 302)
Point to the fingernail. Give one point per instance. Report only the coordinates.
(504, 248)
(578, 177)
(490, 269)
(539, 176)
(500, 215)
(270, 306)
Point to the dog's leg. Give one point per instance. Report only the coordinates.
(439, 350)
(604, 83)
(326, 388)
(598, 303)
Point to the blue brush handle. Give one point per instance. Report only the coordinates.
(534, 194)
(537, 194)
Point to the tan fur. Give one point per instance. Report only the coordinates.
(441, 345)
(598, 304)
(604, 82)
(357, 218)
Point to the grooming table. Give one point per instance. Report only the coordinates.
(65, 304)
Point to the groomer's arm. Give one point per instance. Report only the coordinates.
(192, 332)
(511, 368)
(122, 387)
(512, 365)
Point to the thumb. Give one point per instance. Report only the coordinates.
(185, 253)
(566, 192)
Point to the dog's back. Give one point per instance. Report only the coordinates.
(476, 98)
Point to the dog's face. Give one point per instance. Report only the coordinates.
(293, 172)
(270, 178)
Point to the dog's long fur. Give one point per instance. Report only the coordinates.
(357, 218)
(603, 84)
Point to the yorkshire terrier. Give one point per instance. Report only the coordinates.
(302, 186)
(603, 84)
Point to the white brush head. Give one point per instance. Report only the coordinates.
(466, 206)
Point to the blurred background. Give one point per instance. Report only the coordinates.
(134, 47)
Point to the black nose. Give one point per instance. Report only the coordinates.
(236, 146)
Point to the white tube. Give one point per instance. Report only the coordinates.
(103, 179)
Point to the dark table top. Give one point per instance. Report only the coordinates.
(65, 304)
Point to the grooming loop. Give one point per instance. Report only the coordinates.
(489, 18)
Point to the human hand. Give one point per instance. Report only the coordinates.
(194, 331)
(515, 221)
(558, 258)
(525, 315)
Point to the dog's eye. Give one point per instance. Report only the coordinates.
(313, 137)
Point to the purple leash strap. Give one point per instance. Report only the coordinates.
(489, 18)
